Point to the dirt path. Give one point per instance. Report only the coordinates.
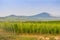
(42, 37)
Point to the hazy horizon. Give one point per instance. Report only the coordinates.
(29, 7)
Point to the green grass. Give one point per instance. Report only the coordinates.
(31, 27)
(7, 37)
(27, 38)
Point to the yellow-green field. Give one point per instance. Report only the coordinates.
(15, 30)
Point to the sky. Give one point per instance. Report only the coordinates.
(29, 7)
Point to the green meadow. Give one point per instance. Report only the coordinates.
(29, 27)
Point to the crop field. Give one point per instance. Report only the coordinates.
(12, 29)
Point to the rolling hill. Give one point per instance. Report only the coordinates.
(38, 17)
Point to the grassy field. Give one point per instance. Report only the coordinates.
(10, 30)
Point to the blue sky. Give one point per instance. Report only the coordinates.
(29, 7)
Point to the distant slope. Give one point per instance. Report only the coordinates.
(43, 15)
(38, 17)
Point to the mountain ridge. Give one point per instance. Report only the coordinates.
(41, 16)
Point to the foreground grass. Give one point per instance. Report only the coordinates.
(16, 38)
(41, 27)
(10, 36)
(40, 30)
